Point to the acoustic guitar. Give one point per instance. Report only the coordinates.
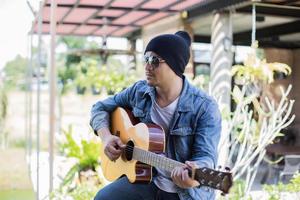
(144, 143)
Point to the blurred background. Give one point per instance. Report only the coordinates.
(58, 57)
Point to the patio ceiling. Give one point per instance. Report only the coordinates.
(109, 17)
(277, 23)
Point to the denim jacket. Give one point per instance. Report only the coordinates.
(194, 130)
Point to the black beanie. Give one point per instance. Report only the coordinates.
(173, 48)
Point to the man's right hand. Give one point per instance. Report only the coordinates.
(113, 147)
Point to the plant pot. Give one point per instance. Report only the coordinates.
(89, 177)
(95, 91)
(80, 90)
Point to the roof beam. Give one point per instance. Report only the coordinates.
(261, 34)
(164, 9)
(210, 5)
(88, 24)
(262, 42)
(111, 7)
(202, 38)
(69, 11)
(92, 16)
(273, 10)
(137, 7)
(269, 32)
(135, 34)
(275, 44)
(287, 2)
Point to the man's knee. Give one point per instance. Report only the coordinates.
(102, 195)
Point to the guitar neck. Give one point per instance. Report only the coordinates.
(155, 160)
(205, 176)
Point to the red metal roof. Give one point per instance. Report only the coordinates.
(109, 17)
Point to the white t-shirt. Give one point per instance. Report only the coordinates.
(163, 117)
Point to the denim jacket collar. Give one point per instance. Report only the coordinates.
(185, 102)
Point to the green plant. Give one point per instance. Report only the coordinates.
(275, 191)
(86, 153)
(114, 79)
(66, 75)
(237, 191)
(80, 192)
(201, 81)
(253, 124)
(3, 103)
(15, 72)
(255, 69)
(3, 115)
(19, 143)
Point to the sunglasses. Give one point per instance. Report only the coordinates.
(153, 61)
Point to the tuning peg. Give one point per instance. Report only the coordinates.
(218, 186)
(227, 169)
(211, 172)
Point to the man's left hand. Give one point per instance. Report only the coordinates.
(181, 178)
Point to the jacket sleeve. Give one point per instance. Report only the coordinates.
(100, 111)
(207, 136)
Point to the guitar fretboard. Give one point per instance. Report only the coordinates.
(155, 160)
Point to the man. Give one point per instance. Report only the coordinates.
(190, 118)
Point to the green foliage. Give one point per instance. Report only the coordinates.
(80, 192)
(3, 115)
(113, 78)
(84, 192)
(201, 81)
(3, 104)
(256, 69)
(15, 72)
(66, 75)
(275, 191)
(68, 70)
(19, 143)
(89, 72)
(87, 154)
(70, 148)
(73, 42)
(237, 191)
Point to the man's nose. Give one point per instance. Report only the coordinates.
(148, 66)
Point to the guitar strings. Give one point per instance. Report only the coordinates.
(129, 149)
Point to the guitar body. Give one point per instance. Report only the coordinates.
(149, 137)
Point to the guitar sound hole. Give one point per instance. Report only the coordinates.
(129, 150)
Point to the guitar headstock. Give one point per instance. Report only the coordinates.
(219, 180)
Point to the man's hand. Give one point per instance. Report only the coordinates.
(181, 178)
(113, 147)
(112, 144)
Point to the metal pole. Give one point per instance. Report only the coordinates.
(52, 92)
(253, 24)
(38, 98)
(30, 103)
(26, 99)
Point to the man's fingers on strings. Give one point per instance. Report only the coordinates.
(113, 150)
(120, 144)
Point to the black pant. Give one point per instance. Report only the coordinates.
(122, 189)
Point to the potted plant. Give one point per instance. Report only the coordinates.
(256, 71)
(86, 153)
